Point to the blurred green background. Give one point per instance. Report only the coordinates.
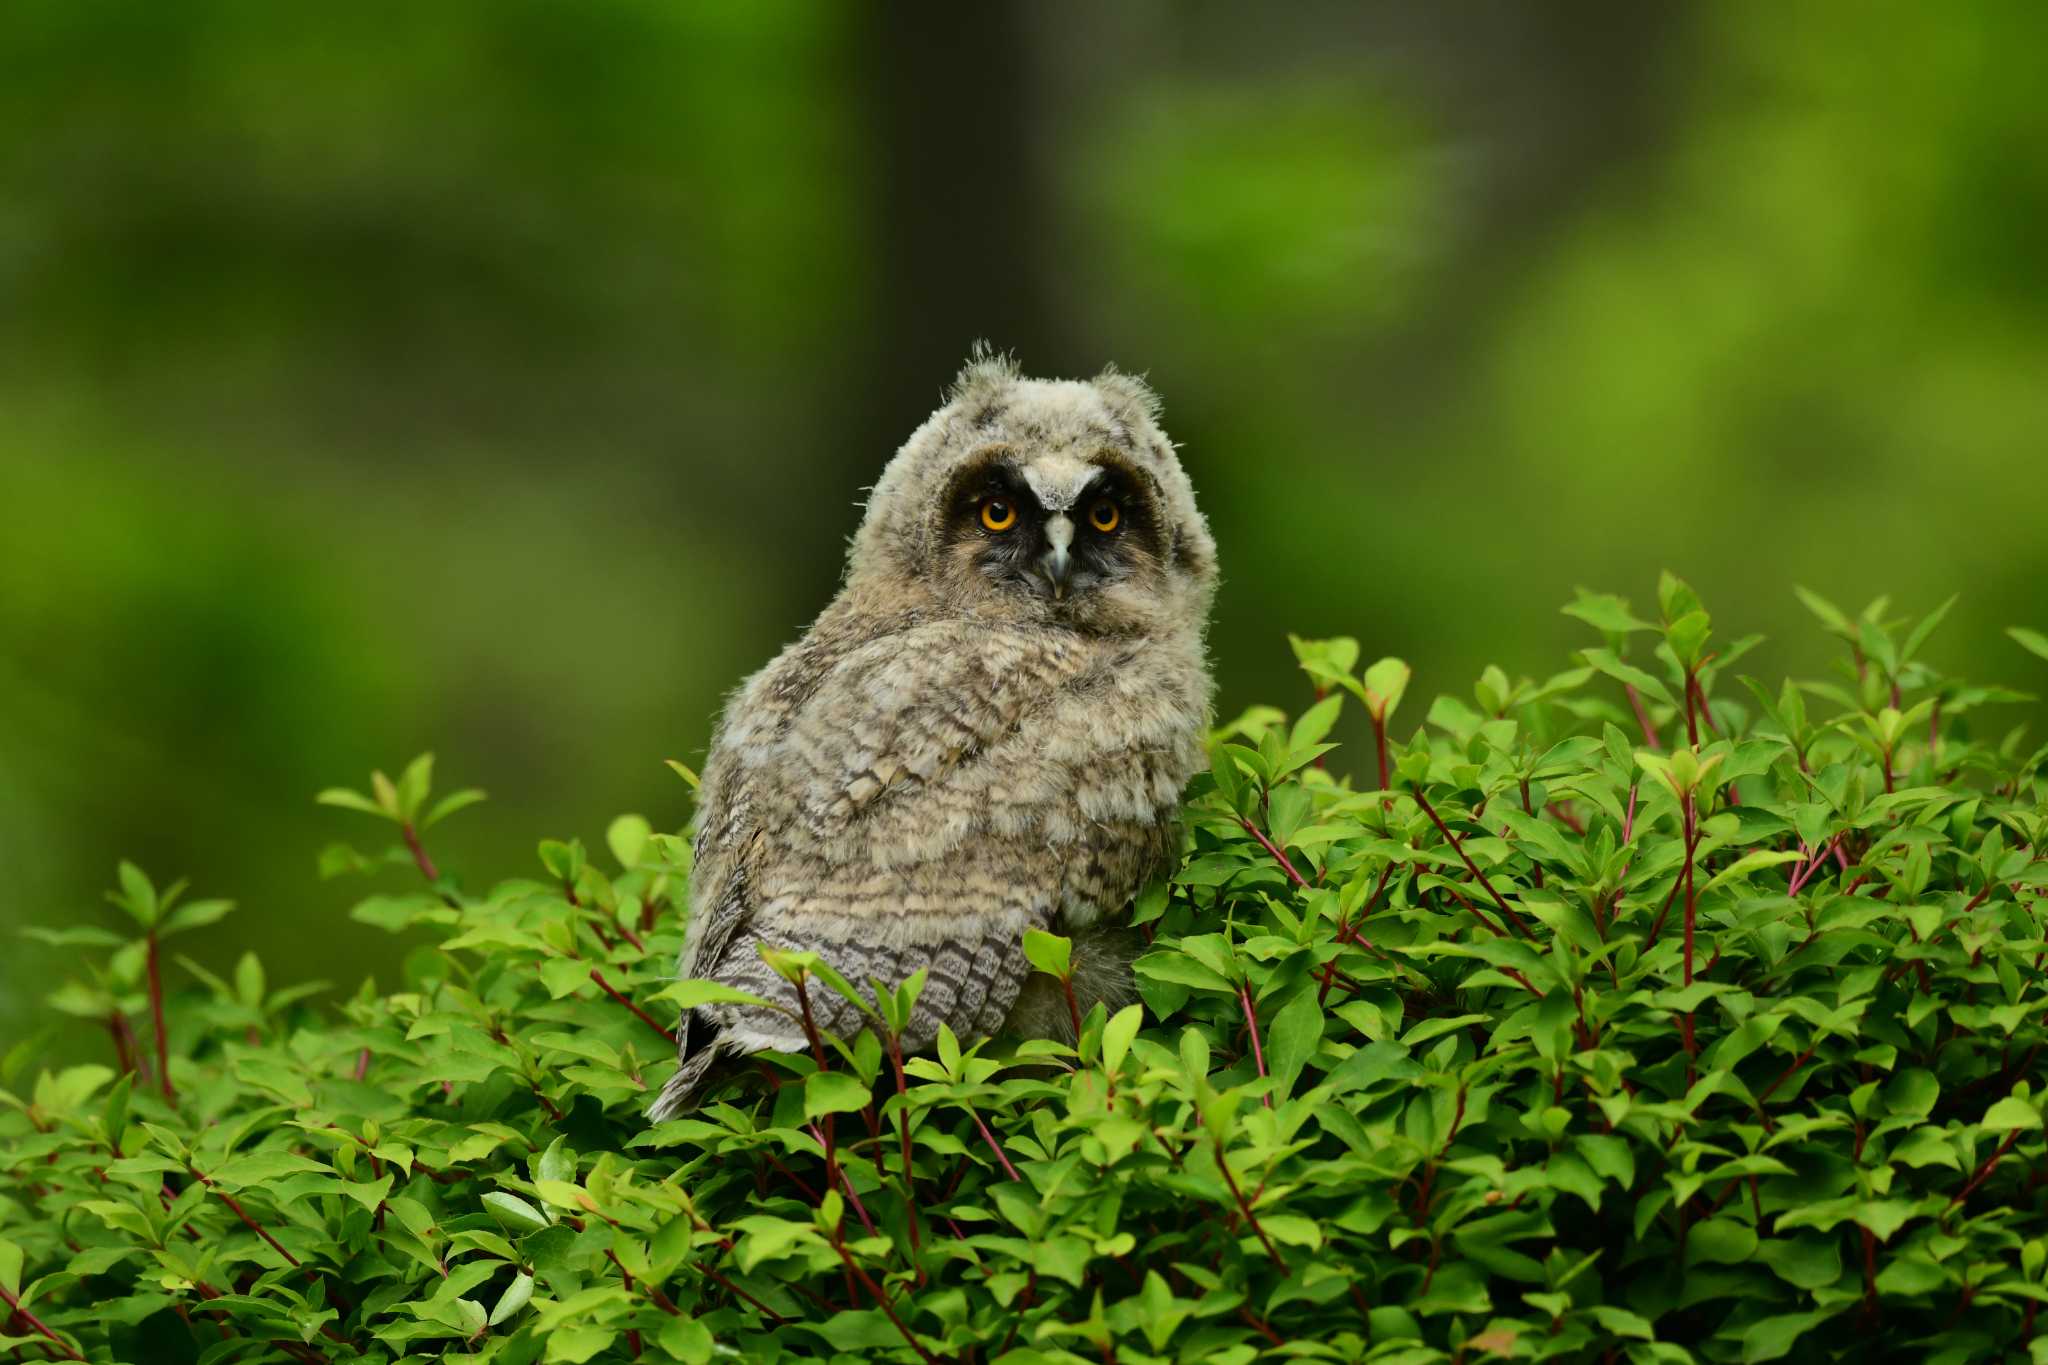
(502, 377)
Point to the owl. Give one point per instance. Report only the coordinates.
(987, 731)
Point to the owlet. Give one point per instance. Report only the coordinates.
(987, 731)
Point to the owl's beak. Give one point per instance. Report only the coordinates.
(1057, 563)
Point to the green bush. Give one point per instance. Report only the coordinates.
(1625, 1015)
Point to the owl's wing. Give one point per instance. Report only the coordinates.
(914, 805)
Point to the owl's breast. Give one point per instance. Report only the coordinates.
(1022, 776)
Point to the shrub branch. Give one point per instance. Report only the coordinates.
(638, 1013)
(1471, 866)
(35, 1324)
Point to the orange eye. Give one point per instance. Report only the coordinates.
(1105, 516)
(998, 515)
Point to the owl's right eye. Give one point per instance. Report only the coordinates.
(998, 515)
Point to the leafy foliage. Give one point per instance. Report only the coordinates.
(1623, 1015)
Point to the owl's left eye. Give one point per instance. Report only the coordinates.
(1105, 516)
(997, 514)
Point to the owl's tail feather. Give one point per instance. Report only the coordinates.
(698, 1049)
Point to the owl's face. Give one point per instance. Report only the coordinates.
(1057, 502)
(1051, 529)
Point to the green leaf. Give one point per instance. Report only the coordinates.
(1723, 1241)
(556, 1163)
(83, 936)
(1808, 1262)
(1294, 1038)
(1752, 862)
(575, 1345)
(2033, 641)
(515, 1297)
(565, 976)
(1117, 1035)
(261, 1168)
(563, 860)
(137, 896)
(1181, 970)
(1605, 612)
(1883, 1216)
(1315, 723)
(1830, 615)
(1911, 1093)
(2011, 1113)
(688, 994)
(627, 838)
(1607, 662)
(249, 981)
(1926, 628)
(1385, 684)
(515, 1213)
(449, 804)
(1771, 1338)
(1049, 953)
(834, 1092)
(687, 1341)
(1290, 1229)
(194, 915)
(352, 800)
(414, 784)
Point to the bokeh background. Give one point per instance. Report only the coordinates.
(501, 377)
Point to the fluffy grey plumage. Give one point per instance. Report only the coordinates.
(988, 730)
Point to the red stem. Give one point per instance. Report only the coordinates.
(124, 1052)
(993, 1145)
(1571, 821)
(1802, 875)
(312, 1276)
(1706, 712)
(419, 852)
(1223, 1164)
(833, 1167)
(156, 1010)
(1379, 735)
(1345, 930)
(1642, 717)
(1429, 1171)
(1529, 809)
(1263, 1328)
(1278, 856)
(1073, 1006)
(881, 1298)
(1251, 1020)
(1477, 913)
(803, 999)
(1984, 1171)
(1784, 1076)
(903, 1134)
(1692, 826)
(35, 1325)
(1691, 843)
(638, 1013)
(1473, 867)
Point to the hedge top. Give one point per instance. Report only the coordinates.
(1629, 1014)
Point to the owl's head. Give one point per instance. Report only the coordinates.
(1058, 501)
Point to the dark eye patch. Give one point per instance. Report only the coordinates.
(1126, 487)
(993, 475)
